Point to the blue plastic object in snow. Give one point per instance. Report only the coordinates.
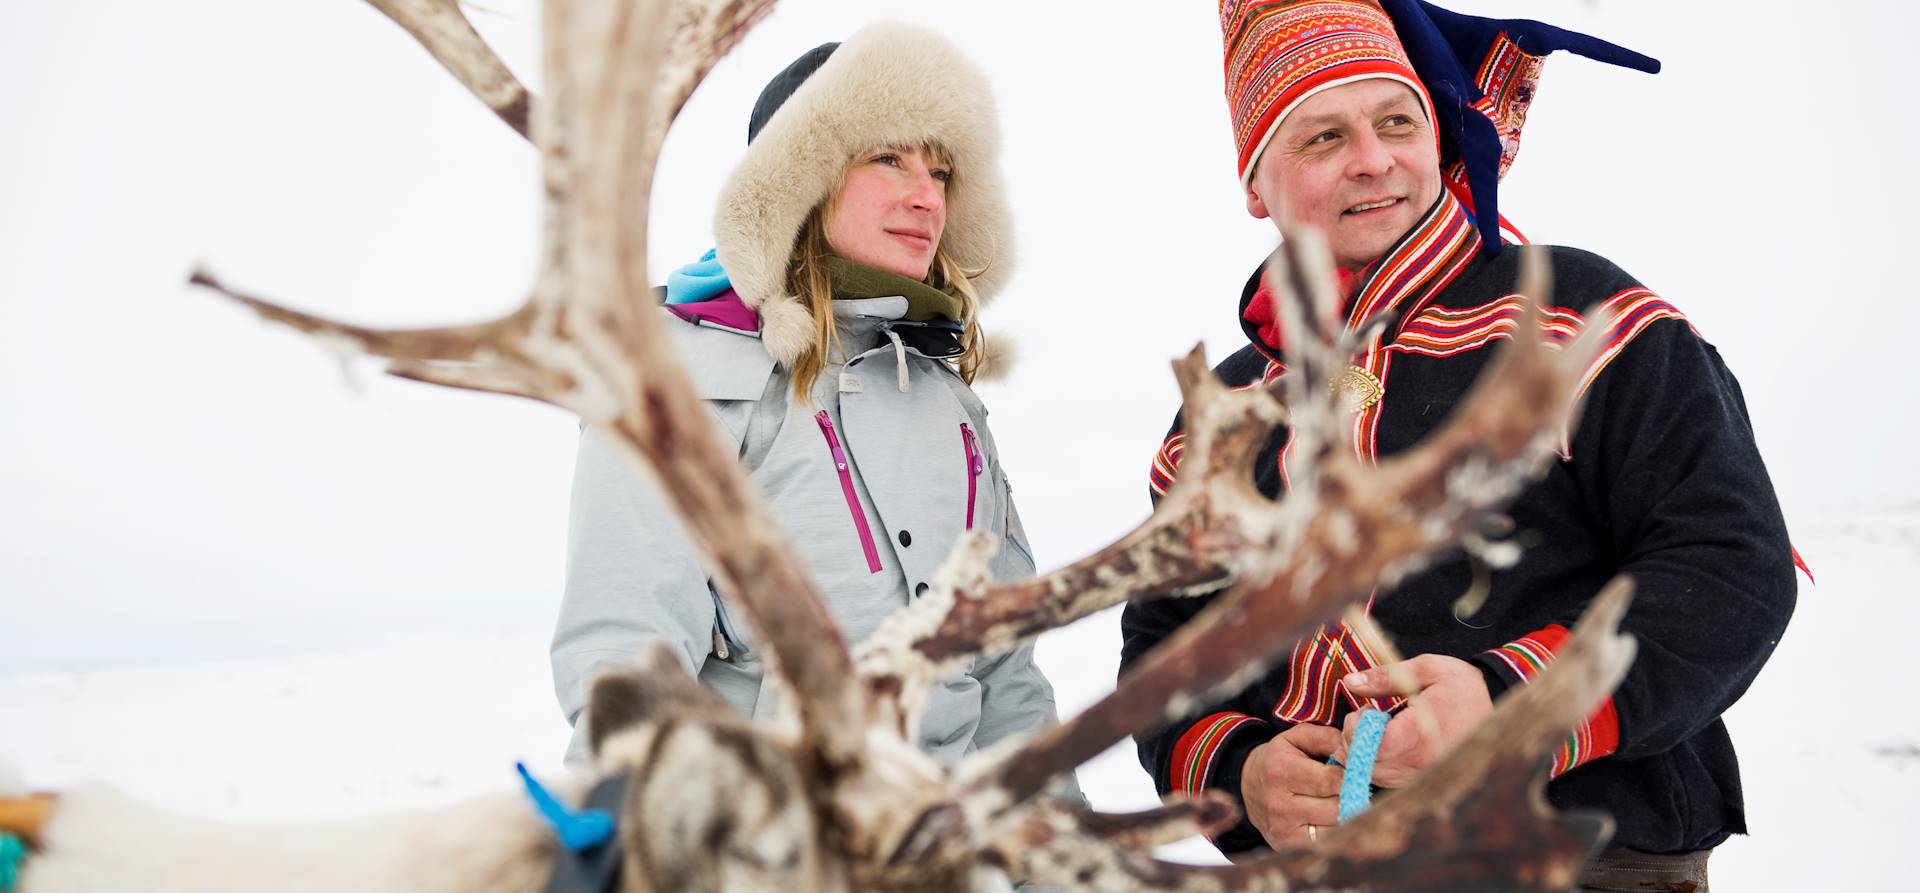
(577, 831)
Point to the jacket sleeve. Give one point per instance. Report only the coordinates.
(1207, 747)
(1666, 461)
(632, 578)
(1015, 697)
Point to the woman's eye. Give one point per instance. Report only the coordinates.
(942, 175)
(887, 159)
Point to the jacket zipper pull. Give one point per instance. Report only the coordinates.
(976, 461)
(833, 441)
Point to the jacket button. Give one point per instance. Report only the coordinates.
(906, 539)
(920, 590)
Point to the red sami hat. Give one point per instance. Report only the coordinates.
(1280, 52)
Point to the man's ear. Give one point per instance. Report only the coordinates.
(1256, 205)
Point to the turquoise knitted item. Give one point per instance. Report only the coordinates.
(13, 853)
(1356, 781)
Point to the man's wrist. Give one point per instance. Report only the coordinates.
(1228, 771)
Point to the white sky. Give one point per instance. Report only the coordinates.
(179, 481)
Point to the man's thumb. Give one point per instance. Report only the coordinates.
(1375, 683)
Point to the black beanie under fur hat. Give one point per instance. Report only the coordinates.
(783, 85)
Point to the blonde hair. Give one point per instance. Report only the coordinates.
(807, 279)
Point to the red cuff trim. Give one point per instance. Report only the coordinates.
(1193, 754)
(1599, 735)
(1166, 464)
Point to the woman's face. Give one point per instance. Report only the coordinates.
(891, 211)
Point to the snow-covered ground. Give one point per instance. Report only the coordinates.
(1831, 758)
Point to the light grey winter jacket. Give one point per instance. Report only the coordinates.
(874, 483)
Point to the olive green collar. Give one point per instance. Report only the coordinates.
(924, 302)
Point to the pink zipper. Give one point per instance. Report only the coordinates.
(846, 488)
(976, 464)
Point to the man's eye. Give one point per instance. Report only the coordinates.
(1325, 136)
(1398, 121)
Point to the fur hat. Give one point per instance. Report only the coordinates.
(888, 84)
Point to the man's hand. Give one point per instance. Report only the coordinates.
(1287, 784)
(1449, 698)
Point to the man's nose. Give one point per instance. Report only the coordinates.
(1370, 156)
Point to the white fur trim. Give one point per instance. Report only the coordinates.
(786, 326)
(888, 84)
(102, 840)
(1003, 354)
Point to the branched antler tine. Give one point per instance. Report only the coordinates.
(1194, 376)
(1528, 396)
(602, 70)
(1476, 821)
(703, 31)
(488, 378)
(1306, 302)
(444, 31)
(1232, 640)
(1529, 722)
(444, 343)
(1363, 528)
(1191, 542)
(1079, 849)
(1222, 427)
(1536, 274)
(1210, 813)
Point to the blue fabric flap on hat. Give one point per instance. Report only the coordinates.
(1446, 48)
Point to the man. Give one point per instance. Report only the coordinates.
(1387, 129)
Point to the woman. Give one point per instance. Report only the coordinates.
(834, 332)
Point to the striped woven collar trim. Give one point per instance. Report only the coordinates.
(1411, 273)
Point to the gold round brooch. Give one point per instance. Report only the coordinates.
(1357, 389)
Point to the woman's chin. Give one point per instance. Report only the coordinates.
(912, 268)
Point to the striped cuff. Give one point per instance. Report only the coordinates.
(1166, 463)
(1192, 766)
(1521, 660)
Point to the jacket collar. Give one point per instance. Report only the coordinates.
(1423, 262)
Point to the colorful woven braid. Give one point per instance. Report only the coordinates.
(1356, 778)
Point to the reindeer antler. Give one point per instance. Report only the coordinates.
(1477, 820)
(589, 339)
(1344, 530)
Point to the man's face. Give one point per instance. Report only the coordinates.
(1359, 162)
